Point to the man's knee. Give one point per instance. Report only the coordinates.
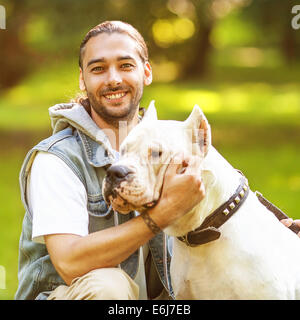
(107, 284)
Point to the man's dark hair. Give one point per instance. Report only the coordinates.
(119, 27)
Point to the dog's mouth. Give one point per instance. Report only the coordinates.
(122, 205)
(127, 196)
(126, 189)
(119, 204)
(150, 204)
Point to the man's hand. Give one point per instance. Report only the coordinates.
(288, 222)
(182, 190)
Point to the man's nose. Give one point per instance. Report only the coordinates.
(113, 77)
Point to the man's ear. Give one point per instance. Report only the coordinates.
(200, 127)
(151, 113)
(81, 81)
(147, 74)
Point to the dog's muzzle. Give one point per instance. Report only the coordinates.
(114, 176)
(113, 189)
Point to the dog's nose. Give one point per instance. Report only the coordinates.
(117, 173)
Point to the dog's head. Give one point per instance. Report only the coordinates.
(135, 181)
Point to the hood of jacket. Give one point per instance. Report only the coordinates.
(64, 115)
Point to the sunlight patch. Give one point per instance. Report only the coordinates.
(208, 101)
(2, 278)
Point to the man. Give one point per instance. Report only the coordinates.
(72, 246)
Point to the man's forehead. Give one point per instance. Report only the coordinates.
(110, 46)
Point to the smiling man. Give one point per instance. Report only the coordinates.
(72, 245)
(113, 74)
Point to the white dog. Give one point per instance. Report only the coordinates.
(252, 255)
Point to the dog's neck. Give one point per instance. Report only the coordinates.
(220, 180)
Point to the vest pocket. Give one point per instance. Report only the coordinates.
(100, 215)
(98, 207)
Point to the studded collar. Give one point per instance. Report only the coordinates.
(208, 230)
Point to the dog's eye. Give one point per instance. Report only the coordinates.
(156, 153)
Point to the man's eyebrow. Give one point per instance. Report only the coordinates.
(125, 58)
(95, 61)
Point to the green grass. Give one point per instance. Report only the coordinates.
(255, 120)
(11, 216)
(274, 171)
(242, 95)
(247, 103)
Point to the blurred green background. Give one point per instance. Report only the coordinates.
(237, 59)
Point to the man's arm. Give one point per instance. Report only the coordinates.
(74, 256)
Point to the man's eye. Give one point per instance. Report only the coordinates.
(97, 69)
(127, 66)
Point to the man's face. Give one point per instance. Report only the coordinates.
(113, 76)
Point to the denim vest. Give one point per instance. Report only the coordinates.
(88, 160)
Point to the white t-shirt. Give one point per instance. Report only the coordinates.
(51, 184)
(58, 202)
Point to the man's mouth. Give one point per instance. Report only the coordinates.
(115, 96)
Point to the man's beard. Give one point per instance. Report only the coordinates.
(113, 118)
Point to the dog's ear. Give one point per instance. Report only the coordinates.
(151, 113)
(200, 127)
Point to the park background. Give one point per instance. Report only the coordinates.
(238, 59)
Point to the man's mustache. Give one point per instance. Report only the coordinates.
(109, 90)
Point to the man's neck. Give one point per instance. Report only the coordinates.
(115, 135)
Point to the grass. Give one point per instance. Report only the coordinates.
(11, 216)
(275, 172)
(255, 121)
(254, 98)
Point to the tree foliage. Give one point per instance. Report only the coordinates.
(179, 33)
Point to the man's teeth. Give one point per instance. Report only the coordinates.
(115, 96)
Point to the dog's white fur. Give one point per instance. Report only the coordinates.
(256, 257)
